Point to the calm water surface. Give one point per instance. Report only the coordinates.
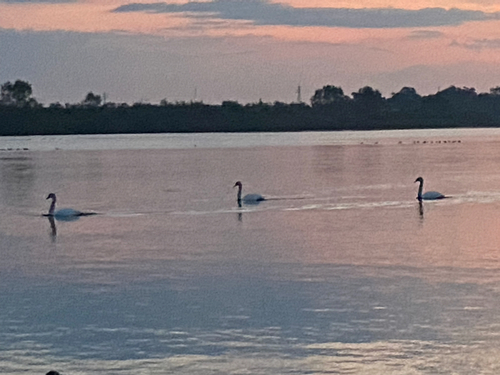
(341, 272)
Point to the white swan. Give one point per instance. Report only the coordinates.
(63, 213)
(429, 195)
(249, 198)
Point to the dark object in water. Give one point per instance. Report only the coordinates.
(249, 198)
(65, 214)
(52, 372)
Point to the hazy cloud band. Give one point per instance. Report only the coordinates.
(262, 12)
(37, 1)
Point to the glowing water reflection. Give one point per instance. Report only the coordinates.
(344, 272)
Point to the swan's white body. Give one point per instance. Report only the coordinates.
(253, 198)
(67, 212)
(249, 198)
(429, 195)
(63, 213)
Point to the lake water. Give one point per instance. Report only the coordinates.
(340, 272)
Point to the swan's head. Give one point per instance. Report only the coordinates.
(51, 196)
(238, 183)
(420, 179)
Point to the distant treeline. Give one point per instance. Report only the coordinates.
(329, 109)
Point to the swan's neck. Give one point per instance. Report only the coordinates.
(52, 207)
(239, 193)
(420, 189)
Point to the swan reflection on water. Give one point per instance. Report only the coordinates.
(64, 214)
(248, 200)
(421, 209)
(52, 220)
(53, 228)
(240, 214)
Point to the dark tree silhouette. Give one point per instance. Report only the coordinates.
(495, 90)
(328, 95)
(330, 109)
(369, 101)
(406, 100)
(17, 94)
(455, 93)
(367, 94)
(92, 100)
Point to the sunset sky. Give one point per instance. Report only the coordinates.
(246, 50)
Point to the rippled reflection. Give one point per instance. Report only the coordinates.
(174, 277)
